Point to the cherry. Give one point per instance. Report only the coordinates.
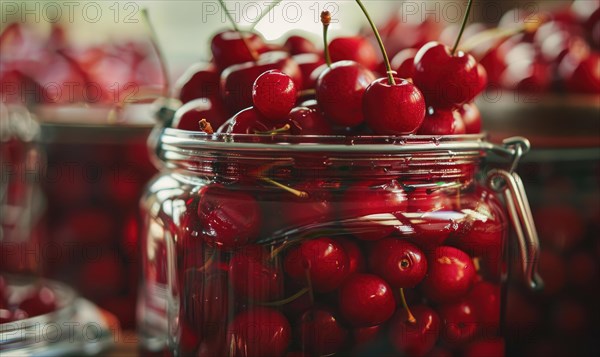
(259, 332)
(527, 76)
(366, 300)
(317, 207)
(189, 115)
(400, 263)
(309, 121)
(459, 321)
(40, 302)
(450, 274)
(274, 95)
(445, 79)
(485, 301)
(415, 338)
(404, 63)
(311, 65)
(340, 91)
(356, 260)
(581, 76)
(253, 277)
(320, 332)
(491, 347)
(363, 336)
(356, 49)
(205, 298)
(427, 199)
(297, 45)
(319, 262)
(248, 121)
(365, 208)
(229, 218)
(233, 47)
(237, 80)
(393, 108)
(442, 122)
(201, 80)
(471, 118)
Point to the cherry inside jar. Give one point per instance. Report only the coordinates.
(311, 246)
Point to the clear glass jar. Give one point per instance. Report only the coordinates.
(267, 245)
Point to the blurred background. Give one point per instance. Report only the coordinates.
(79, 83)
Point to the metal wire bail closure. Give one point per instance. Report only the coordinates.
(510, 184)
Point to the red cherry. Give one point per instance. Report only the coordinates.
(40, 302)
(366, 300)
(366, 208)
(527, 76)
(201, 80)
(320, 332)
(471, 118)
(393, 109)
(252, 276)
(274, 95)
(459, 321)
(485, 300)
(206, 303)
(415, 339)
(189, 115)
(426, 199)
(446, 80)
(363, 336)
(404, 63)
(309, 63)
(297, 45)
(323, 258)
(442, 122)
(400, 263)
(356, 260)
(581, 76)
(450, 276)
(309, 121)
(237, 80)
(492, 347)
(259, 332)
(229, 218)
(229, 48)
(248, 121)
(316, 208)
(340, 91)
(356, 49)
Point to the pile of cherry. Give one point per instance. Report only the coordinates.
(39, 301)
(427, 285)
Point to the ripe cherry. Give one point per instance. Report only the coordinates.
(229, 218)
(248, 121)
(485, 301)
(309, 121)
(357, 49)
(442, 122)
(320, 332)
(471, 118)
(415, 338)
(356, 260)
(400, 263)
(317, 207)
(366, 209)
(229, 47)
(309, 63)
(446, 79)
(319, 262)
(460, 322)
(340, 91)
(40, 302)
(189, 115)
(450, 274)
(297, 45)
(404, 63)
(366, 300)
(259, 332)
(253, 276)
(581, 76)
(200, 80)
(363, 336)
(274, 95)
(527, 76)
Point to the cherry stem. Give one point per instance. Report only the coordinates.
(306, 92)
(155, 44)
(286, 300)
(386, 59)
(264, 13)
(462, 27)
(293, 191)
(476, 264)
(205, 126)
(237, 29)
(411, 317)
(310, 287)
(495, 33)
(283, 129)
(326, 20)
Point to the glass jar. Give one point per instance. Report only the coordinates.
(267, 245)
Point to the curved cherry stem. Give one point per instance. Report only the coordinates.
(326, 20)
(264, 13)
(293, 191)
(311, 293)
(462, 27)
(155, 44)
(386, 59)
(286, 300)
(237, 29)
(411, 317)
